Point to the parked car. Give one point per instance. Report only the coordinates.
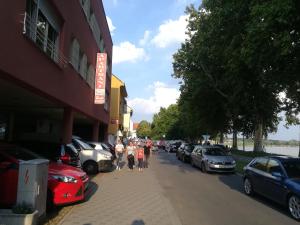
(68, 154)
(66, 184)
(184, 152)
(174, 147)
(212, 159)
(103, 146)
(92, 160)
(277, 178)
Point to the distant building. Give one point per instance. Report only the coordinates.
(47, 69)
(127, 129)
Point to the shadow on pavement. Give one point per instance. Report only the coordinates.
(93, 187)
(235, 182)
(138, 222)
(232, 181)
(170, 159)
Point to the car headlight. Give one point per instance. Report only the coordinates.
(212, 162)
(65, 179)
(233, 162)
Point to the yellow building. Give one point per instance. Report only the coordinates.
(118, 107)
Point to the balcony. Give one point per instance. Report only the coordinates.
(40, 32)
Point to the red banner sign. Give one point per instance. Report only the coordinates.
(100, 77)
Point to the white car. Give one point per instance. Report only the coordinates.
(92, 160)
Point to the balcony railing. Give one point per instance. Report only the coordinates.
(34, 33)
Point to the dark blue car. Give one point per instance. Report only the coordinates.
(277, 178)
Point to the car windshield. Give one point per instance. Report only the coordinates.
(292, 168)
(215, 152)
(21, 153)
(83, 144)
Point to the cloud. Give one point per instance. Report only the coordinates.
(145, 39)
(171, 32)
(110, 25)
(128, 52)
(163, 96)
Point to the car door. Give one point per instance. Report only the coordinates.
(257, 173)
(196, 156)
(9, 177)
(274, 187)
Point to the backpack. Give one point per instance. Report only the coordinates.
(146, 150)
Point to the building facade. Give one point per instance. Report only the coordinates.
(47, 69)
(127, 122)
(118, 107)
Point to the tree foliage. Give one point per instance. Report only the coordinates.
(144, 129)
(240, 55)
(166, 123)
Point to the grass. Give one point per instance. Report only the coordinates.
(239, 166)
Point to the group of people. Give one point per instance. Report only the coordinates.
(135, 152)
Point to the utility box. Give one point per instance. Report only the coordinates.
(32, 184)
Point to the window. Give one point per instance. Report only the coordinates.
(85, 4)
(82, 65)
(42, 27)
(260, 164)
(292, 168)
(274, 167)
(74, 54)
(91, 76)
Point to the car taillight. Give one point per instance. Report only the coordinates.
(66, 158)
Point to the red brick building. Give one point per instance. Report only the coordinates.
(47, 69)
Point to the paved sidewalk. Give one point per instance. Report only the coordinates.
(124, 197)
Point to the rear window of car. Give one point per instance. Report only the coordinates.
(292, 168)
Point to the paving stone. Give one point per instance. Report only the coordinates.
(124, 197)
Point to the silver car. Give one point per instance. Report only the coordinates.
(212, 159)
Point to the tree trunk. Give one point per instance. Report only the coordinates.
(258, 136)
(221, 138)
(234, 140)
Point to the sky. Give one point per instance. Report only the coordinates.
(146, 34)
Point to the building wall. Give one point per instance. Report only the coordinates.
(22, 62)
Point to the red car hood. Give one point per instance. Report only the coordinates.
(65, 170)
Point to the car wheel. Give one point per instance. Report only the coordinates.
(203, 168)
(294, 207)
(90, 167)
(248, 186)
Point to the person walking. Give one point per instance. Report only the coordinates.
(119, 149)
(147, 150)
(140, 157)
(130, 152)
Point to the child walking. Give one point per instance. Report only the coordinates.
(140, 158)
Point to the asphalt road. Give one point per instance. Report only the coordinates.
(212, 199)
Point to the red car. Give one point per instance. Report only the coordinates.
(66, 184)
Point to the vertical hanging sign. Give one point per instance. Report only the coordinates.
(100, 77)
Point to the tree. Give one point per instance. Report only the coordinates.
(238, 56)
(144, 129)
(166, 122)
